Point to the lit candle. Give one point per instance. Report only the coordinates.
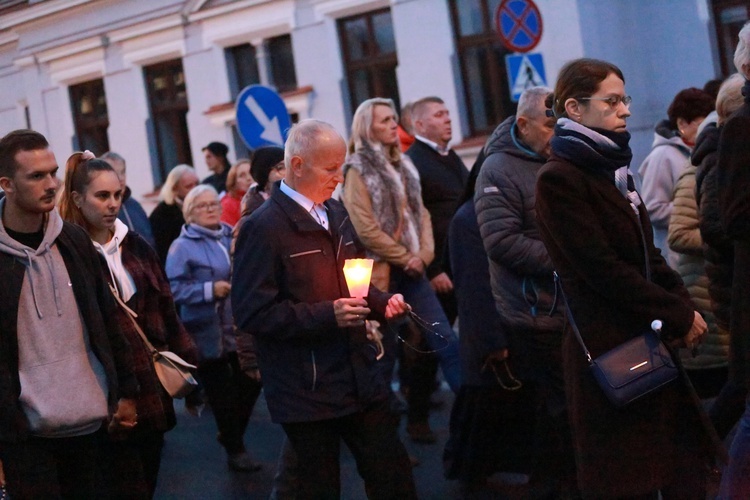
(357, 273)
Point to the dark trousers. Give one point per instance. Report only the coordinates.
(129, 468)
(51, 467)
(372, 437)
(232, 396)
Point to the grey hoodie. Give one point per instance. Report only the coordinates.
(63, 384)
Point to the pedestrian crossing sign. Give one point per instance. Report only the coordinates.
(524, 71)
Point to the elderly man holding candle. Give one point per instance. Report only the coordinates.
(320, 374)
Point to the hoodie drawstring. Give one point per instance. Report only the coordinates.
(31, 283)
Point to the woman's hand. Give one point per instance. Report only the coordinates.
(415, 267)
(125, 418)
(222, 289)
(697, 331)
(396, 307)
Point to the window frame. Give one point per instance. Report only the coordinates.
(717, 7)
(372, 63)
(501, 103)
(95, 125)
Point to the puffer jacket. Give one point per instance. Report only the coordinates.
(659, 173)
(521, 270)
(718, 248)
(685, 240)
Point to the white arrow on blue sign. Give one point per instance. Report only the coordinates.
(262, 117)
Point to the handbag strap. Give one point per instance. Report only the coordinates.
(621, 182)
(132, 315)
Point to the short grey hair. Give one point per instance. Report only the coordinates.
(111, 155)
(730, 98)
(303, 137)
(189, 203)
(167, 190)
(742, 54)
(531, 101)
(419, 108)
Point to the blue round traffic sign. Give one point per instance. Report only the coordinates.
(519, 24)
(262, 117)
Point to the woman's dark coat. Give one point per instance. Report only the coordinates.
(592, 235)
(734, 184)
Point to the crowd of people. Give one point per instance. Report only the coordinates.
(544, 255)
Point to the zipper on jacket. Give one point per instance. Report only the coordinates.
(309, 252)
(315, 370)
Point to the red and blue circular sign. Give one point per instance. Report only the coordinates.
(519, 24)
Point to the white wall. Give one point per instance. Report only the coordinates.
(661, 46)
(425, 48)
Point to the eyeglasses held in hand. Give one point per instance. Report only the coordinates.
(426, 327)
(613, 100)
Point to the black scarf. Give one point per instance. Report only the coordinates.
(591, 148)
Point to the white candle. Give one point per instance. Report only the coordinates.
(357, 273)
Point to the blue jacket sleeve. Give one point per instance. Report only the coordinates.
(186, 288)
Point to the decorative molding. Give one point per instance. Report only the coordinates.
(343, 8)
(78, 68)
(155, 47)
(35, 12)
(9, 37)
(70, 49)
(264, 20)
(196, 14)
(146, 28)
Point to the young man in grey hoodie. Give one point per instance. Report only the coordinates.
(65, 368)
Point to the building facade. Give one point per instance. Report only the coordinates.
(155, 80)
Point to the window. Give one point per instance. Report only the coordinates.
(279, 72)
(243, 68)
(730, 16)
(370, 60)
(167, 97)
(281, 60)
(481, 57)
(90, 117)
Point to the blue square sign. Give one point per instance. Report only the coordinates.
(524, 71)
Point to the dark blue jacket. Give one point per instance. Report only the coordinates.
(481, 329)
(133, 215)
(288, 270)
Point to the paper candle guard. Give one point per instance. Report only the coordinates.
(357, 273)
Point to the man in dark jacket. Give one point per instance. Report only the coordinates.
(215, 155)
(131, 212)
(443, 177)
(520, 268)
(64, 362)
(320, 374)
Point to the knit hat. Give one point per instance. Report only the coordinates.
(217, 148)
(263, 161)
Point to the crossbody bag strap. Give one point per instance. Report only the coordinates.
(132, 315)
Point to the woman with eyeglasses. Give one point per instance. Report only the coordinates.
(129, 464)
(674, 139)
(590, 218)
(199, 271)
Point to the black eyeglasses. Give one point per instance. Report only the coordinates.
(613, 100)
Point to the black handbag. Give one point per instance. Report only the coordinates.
(639, 366)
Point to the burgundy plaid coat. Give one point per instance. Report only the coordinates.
(158, 319)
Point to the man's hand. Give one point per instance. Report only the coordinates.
(396, 307)
(221, 289)
(2, 474)
(441, 283)
(415, 267)
(695, 336)
(125, 418)
(350, 311)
